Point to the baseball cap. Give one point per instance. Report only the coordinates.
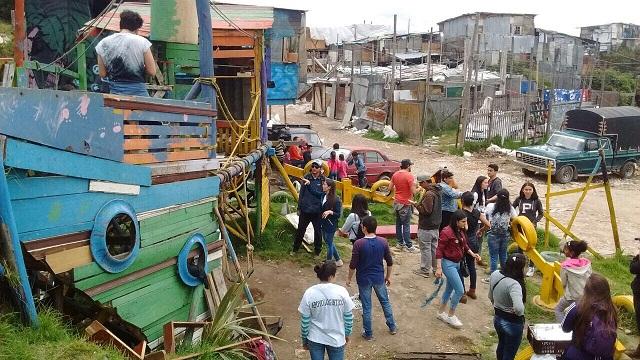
(405, 163)
(422, 178)
(316, 162)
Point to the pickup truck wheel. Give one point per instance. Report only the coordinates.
(528, 172)
(564, 174)
(628, 170)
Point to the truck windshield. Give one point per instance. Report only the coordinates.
(566, 142)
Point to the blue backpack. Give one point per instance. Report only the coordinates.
(599, 339)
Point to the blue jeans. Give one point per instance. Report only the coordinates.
(383, 298)
(403, 225)
(332, 252)
(454, 289)
(497, 249)
(509, 337)
(126, 88)
(316, 350)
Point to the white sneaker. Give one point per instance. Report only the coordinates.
(443, 317)
(412, 249)
(339, 263)
(531, 271)
(454, 322)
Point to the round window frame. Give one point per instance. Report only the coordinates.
(98, 241)
(183, 269)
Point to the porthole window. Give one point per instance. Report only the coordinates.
(115, 238)
(192, 261)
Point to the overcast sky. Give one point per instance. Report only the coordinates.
(565, 16)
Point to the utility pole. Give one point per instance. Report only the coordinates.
(393, 66)
(20, 33)
(427, 90)
(466, 99)
(476, 66)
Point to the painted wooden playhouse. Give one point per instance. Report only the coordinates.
(113, 195)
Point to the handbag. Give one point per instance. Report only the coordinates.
(464, 268)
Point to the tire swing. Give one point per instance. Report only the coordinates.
(115, 237)
(193, 274)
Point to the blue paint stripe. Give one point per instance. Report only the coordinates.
(38, 187)
(70, 210)
(56, 231)
(141, 115)
(41, 158)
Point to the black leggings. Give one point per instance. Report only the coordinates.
(473, 276)
(303, 222)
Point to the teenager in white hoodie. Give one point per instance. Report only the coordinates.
(574, 273)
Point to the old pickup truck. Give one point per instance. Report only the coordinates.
(573, 151)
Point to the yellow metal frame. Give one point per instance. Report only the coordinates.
(549, 219)
(551, 289)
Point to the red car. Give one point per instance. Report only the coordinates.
(379, 166)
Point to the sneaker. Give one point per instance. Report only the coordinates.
(443, 317)
(412, 249)
(463, 299)
(394, 331)
(531, 271)
(454, 322)
(486, 280)
(422, 272)
(400, 246)
(339, 263)
(367, 338)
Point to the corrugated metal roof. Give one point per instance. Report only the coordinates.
(615, 112)
(484, 14)
(247, 17)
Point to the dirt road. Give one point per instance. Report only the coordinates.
(592, 223)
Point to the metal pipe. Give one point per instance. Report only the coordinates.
(194, 91)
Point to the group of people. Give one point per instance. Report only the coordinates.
(451, 228)
(299, 153)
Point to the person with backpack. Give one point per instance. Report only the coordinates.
(326, 315)
(574, 272)
(528, 204)
(358, 159)
(593, 322)
(499, 215)
(452, 246)
(508, 294)
(359, 210)
(331, 212)
(429, 218)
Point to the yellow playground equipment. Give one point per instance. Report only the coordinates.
(551, 289)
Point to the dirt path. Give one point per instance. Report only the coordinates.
(591, 224)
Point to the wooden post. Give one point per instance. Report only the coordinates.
(285, 113)
(393, 67)
(527, 118)
(425, 113)
(466, 99)
(20, 32)
(205, 35)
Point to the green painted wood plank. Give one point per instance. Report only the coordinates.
(92, 274)
(157, 304)
(175, 216)
(180, 46)
(202, 223)
(132, 286)
(25, 155)
(154, 330)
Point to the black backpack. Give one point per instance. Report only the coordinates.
(359, 233)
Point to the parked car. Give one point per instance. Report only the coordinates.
(573, 152)
(288, 132)
(379, 166)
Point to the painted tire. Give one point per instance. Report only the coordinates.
(98, 242)
(183, 269)
(325, 168)
(524, 233)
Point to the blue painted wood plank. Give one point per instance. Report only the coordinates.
(56, 231)
(70, 120)
(141, 115)
(69, 210)
(37, 187)
(167, 102)
(25, 155)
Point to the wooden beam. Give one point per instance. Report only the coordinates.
(230, 54)
(66, 260)
(233, 41)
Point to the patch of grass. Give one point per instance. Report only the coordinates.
(53, 337)
(6, 32)
(379, 135)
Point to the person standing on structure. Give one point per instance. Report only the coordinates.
(125, 57)
(403, 184)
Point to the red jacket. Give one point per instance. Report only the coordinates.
(450, 247)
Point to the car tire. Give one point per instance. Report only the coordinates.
(383, 189)
(628, 170)
(565, 174)
(528, 172)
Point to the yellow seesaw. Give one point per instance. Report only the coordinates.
(551, 289)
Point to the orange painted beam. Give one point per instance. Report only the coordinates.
(230, 54)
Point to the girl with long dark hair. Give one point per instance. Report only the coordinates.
(508, 293)
(359, 210)
(326, 317)
(499, 215)
(528, 203)
(452, 246)
(331, 212)
(593, 321)
(479, 191)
